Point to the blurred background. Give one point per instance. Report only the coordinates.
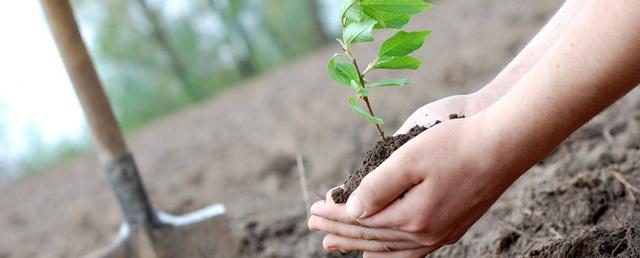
(154, 57)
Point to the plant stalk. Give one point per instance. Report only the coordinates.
(365, 98)
(380, 132)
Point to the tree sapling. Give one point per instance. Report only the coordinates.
(359, 18)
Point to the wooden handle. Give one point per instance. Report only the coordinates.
(104, 127)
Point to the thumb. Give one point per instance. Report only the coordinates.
(382, 186)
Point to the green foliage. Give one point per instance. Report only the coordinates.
(343, 72)
(396, 6)
(389, 20)
(397, 62)
(359, 18)
(362, 113)
(358, 32)
(389, 83)
(403, 43)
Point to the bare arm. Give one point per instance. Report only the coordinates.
(595, 62)
(529, 55)
(473, 103)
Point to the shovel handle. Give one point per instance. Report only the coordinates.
(121, 169)
(104, 128)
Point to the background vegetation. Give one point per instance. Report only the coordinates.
(157, 56)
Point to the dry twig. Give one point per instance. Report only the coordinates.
(303, 183)
(631, 189)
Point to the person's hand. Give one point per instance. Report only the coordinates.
(426, 195)
(440, 110)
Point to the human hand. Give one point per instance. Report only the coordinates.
(440, 110)
(426, 195)
(433, 112)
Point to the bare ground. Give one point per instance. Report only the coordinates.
(239, 149)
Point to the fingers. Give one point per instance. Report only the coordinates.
(336, 243)
(335, 212)
(352, 231)
(382, 186)
(414, 253)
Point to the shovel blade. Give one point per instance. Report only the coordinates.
(200, 234)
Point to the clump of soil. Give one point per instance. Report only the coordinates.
(375, 156)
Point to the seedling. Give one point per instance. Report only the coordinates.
(359, 18)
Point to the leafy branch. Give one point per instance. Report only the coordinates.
(359, 18)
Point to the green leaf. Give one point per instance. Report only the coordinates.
(362, 113)
(389, 83)
(342, 72)
(397, 6)
(351, 11)
(358, 32)
(400, 62)
(397, 22)
(360, 91)
(394, 23)
(403, 43)
(387, 19)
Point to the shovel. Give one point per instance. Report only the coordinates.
(143, 233)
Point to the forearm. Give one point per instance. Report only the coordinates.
(595, 62)
(529, 55)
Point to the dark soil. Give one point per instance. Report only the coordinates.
(375, 156)
(275, 240)
(622, 242)
(591, 214)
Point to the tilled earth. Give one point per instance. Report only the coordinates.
(240, 149)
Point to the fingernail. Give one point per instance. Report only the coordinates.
(354, 207)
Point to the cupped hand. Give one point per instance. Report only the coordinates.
(440, 110)
(426, 195)
(435, 111)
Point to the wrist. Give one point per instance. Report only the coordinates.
(509, 149)
(494, 90)
(482, 98)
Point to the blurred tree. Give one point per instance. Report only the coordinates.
(235, 34)
(159, 33)
(314, 11)
(138, 79)
(289, 24)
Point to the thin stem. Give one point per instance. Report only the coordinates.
(380, 132)
(365, 98)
